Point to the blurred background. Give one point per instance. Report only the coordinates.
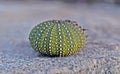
(18, 17)
(87, 1)
(73, 1)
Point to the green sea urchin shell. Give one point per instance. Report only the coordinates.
(57, 38)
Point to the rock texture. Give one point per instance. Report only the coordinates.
(101, 54)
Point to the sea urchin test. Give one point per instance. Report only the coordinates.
(57, 38)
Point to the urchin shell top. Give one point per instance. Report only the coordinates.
(57, 38)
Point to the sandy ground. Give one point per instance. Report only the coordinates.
(101, 54)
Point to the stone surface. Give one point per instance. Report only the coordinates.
(101, 54)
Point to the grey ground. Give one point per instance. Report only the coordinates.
(101, 54)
